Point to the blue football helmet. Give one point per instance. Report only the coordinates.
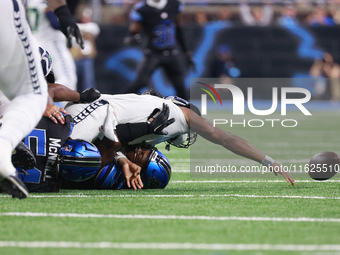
(79, 160)
(156, 170)
(157, 174)
(110, 176)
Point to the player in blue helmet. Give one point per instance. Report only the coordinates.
(79, 160)
(155, 174)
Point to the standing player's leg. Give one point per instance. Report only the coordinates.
(175, 69)
(22, 81)
(145, 70)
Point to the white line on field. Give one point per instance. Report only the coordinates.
(249, 181)
(168, 217)
(179, 195)
(172, 246)
(236, 161)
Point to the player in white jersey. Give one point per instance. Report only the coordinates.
(45, 27)
(101, 118)
(22, 82)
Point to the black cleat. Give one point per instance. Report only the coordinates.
(23, 157)
(14, 186)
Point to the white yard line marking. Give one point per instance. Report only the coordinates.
(181, 195)
(249, 181)
(181, 171)
(168, 217)
(172, 246)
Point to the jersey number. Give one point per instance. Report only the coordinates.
(165, 36)
(39, 135)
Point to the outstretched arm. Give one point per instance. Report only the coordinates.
(60, 93)
(230, 141)
(67, 25)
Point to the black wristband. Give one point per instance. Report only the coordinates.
(62, 11)
(130, 131)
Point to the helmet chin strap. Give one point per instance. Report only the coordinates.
(158, 4)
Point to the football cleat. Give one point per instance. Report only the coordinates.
(14, 186)
(23, 157)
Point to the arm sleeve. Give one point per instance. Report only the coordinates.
(130, 131)
(52, 18)
(135, 15)
(246, 15)
(267, 15)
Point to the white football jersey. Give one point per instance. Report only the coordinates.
(39, 23)
(126, 108)
(53, 41)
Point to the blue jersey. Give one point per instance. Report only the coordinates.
(159, 24)
(45, 141)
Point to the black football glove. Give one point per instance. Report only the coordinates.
(68, 26)
(159, 120)
(89, 95)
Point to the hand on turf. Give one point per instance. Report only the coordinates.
(55, 113)
(277, 169)
(132, 173)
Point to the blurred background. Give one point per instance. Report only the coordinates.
(228, 39)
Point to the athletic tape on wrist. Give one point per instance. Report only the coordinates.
(119, 155)
(267, 161)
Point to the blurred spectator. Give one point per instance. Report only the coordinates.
(224, 65)
(288, 16)
(319, 17)
(84, 58)
(327, 74)
(257, 16)
(336, 16)
(201, 18)
(225, 14)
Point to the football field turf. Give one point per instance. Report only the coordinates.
(193, 215)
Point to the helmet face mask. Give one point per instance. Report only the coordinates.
(79, 160)
(156, 169)
(191, 136)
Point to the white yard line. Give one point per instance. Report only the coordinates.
(248, 181)
(168, 217)
(180, 195)
(172, 246)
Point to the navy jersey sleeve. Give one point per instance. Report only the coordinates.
(136, 14)
(180, 7)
